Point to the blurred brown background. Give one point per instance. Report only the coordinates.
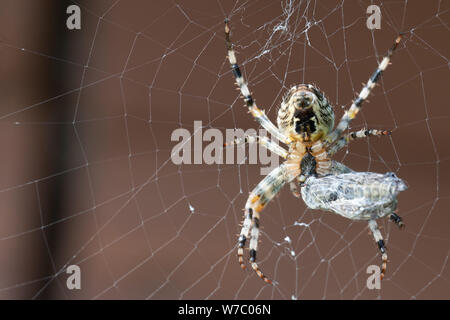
(86, 176)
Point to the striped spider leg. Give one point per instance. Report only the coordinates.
(335, 140)
(351, 113)
(258, 199)
(363, 133)
(260, 196)
(257, 113)
(273, 182)
(373, 226)
(270, 145)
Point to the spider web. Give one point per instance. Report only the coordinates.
(140, 226)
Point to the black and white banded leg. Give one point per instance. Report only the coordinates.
(363, 133)
(380, 242)
(397, 220)
(258, 199)
(261, 140)
(351, 113)
(293, 185)
(257, 113)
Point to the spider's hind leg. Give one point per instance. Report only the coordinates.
(262, 141)
(294, 189)
(258, 199)
(380, 242)
(397, 220)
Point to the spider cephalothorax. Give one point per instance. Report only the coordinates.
(305, 124)
(305, 114)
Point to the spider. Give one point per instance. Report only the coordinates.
(305, 124)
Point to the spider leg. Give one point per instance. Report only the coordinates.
(261, 140)
(258, 199)
(294, 189)
(257, 113)
(397, 220)
(351, 113)
(380, 242)
(363, 133)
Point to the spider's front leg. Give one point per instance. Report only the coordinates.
(351, 113)
(363, 133)
(258, 199)
(257, 113)
(262, 141)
